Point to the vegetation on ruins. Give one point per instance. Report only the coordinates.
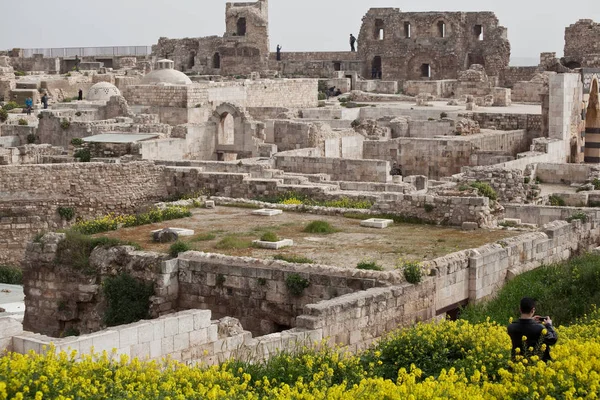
(76, 142)
(3, 115)
(270, 237)
(65, 124)
(233, 243)
(20, 73)
(556, 201)
(84, 155)
(296, 284)
(429, 207)
(596, 183)
(66, 213)
(295, 198)
(10, 275)
(204, 237)
(566, 291)
(23, 122)
(370, 265)
(292, 258)
(412, 270)
(112, 222)
(11, 105)
(178, 247)
(128, 299)
(31, 138)
(399, 219)
(322, 227)
(485, 190)
(581, 216)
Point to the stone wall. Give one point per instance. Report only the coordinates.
(507, 183)
(511, 75)
(36, 63)
(30, 154)
(438, 88)
(540, 215)
(582, 39)
(377, 86)
(368, 170)
(508, 122)
(565, 173)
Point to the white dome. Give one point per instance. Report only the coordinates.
(166, 74)
(102, 91)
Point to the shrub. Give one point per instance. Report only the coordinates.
(20, 73)
(346, 202)
(128, 300)
(291, 258)
(443, 115)
(322, 227)
(296, 284)
(3, 115)
(23, 122)
(232, 243)
(77, 142)
(269, 237)
(66, 213)
(369, 265)
(355, 123)
(526, 180)
(220, 280)
(556, 201)
(84, 155)
(413, 272)
(204, 237)
(31, 138)
(11, 105)
(485, 190)
(581, 216)
(596, 183)
(322, 96)
(178, 247)
(429, 207)
(10, 275)
(65, 124)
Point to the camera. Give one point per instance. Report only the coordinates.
(542, 318)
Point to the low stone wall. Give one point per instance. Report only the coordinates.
(377, 86)
(508, 122)
(339, 169)
(512, 75)
(507, 183)
(540, 215)
(439, 88)
(565, 173)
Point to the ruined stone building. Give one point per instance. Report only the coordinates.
(244, 48)
(582, 44)
(430, 45)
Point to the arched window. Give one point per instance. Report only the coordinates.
(241, 27)
(379, 33)
(226, 129)
(217, 61)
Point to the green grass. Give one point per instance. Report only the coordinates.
(292, 258)
(179, 247)
(10, 275)
(565, 292)
(204, 237)
(322, 227)
(369, 266)
(233, 243)
(270, 237)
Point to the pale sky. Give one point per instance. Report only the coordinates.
(300, 25)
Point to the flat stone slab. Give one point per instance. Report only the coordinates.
(274, 245)
(209, 204)
(377, 223)
(267, 212)
(513, 221)
(179, 231)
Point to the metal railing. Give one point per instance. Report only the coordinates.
(113, 51)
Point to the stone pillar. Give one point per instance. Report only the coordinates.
(592, 126)
(566, 93)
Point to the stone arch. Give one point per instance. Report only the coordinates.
(592, 125)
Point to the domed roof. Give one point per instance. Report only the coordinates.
(166, 74)
(102, 91)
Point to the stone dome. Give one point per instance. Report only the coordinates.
(166, 74)
(102, 91)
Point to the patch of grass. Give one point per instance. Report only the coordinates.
(322, 227)
(565, 292)
(10, 275)
(296, 284)
(204, 237)
(578, 216)
(233, 243)
(77, 141)
(66, 213)
(291, 258)
(242, 205)
(556, 201)
(369, 265)
(485, 190)
(270, 237)
(178, 247)
(23, 122)
(3, 115)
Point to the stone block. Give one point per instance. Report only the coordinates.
(209, 204)
(265, 212)
(171, 326)
(128, 337)
(186, 323)
(202, 319)
(106, 341)
(181, 341)
(274, 245)
(145, 333)
(377, 223)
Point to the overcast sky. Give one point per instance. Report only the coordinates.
(299, 25)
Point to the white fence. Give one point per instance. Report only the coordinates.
(90, 51)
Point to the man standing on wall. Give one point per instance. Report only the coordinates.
(278, 53)
(352, 43)
(537, 331)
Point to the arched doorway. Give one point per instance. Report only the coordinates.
(226, 130)
(592, 126)
(217, 61)
(376, 68)
(241, 27)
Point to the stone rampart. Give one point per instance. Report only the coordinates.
(511, 75)
(368, 170)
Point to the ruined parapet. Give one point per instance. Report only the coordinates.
(507, 183)
(582, 44)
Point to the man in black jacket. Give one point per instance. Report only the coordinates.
(537, 331)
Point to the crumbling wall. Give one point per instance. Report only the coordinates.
(509, 184)
(582, 43)
(368, 170)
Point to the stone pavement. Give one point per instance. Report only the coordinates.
(12, 301)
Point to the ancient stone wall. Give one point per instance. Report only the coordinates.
(511, 75)
(582, 40)
(431, 45)
(36, 63)
(507, 183)
(29, 154)
(367, 170)
(532, 123)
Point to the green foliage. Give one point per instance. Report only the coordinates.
(128, 300)
(322, 86)
(296, 284)
(581, 216)
(292, 197)
(355, 123)
(322, 96)
(556, 201)
(233, 243)
(412, 270)
(3, 115)
(72, 331)
(23, 122)
(66, 213)
(11, 105)
(65, 124)
(369, 265)
(220, 280)
(84, 155)
(10, 275)
(179, 247)
(77, 142)
(261, 281)
(596, 183)
(31, 138)
(270, 237)
(20, 73)
(526, 180)
(291, 258)
(485, 190)
(463, 188)
(322, 227)
(565, 292)
(429, 207)
(204, 237)
(399, 219)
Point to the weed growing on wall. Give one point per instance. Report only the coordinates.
(66, 213)
(581, 216)
(556, 201)
(84, 155)
(10, 275)
(65, 124)
(11, 105)
(485, 190)
(412, 270)
(23, 122)
(291, 258)
(128, 300)
(179, 247)
(3, 115)
(296, 284)
(77, 142)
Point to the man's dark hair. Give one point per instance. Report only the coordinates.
(527, 305)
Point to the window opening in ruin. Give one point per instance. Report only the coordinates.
(376, 68)
(241, 27)
(379, 29)
(478, 30)
(351, 81)
(337, 66)
(426, 71)
(226, 130)
(442, 29)
(407, 31)
(192, 60)
(217, 61)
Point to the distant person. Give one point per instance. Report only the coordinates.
(45, 101)
(80, 95)
(337, 92)
(374, 73)
(352, 43)
(279, 52)
(28, 105)
(537, 330)
(77, 62)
